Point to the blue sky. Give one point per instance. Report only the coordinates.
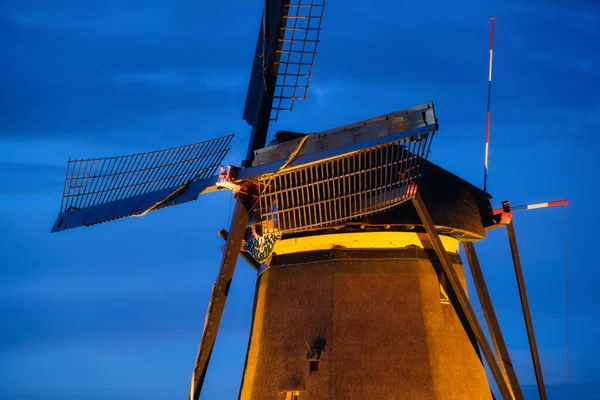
(116, 311)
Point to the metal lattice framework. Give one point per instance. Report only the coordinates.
(343, 188)
(296, 52)
(98, 181)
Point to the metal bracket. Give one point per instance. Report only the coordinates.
(226, 179)
(505, 216)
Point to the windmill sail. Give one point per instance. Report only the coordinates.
(283, 62)
(342, 188)
(102, 189)
(295, 53)
(345, 139)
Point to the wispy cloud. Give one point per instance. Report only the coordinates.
(103, 77)
(29, 178)
(65, 79)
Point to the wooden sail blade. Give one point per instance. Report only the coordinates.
(344, 188)
(397, 125)
(287, 42)
(295, 53)
(133, 206)
(103, 189)
(218, 298)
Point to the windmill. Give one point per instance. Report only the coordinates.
(354, 235)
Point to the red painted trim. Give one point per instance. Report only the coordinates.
(548, 204)
(492, 35)
(487, 128)
(558, 203)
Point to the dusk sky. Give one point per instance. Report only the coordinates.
(116, 311)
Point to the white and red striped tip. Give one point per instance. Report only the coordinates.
(487, 123)
(534, 206)
(491, 47)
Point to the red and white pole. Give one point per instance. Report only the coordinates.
(487, 124)
(536, 205)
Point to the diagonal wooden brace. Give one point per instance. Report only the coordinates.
(492, 322)
(512, 239)
(218, 297)
(463, 301)
(245, 255)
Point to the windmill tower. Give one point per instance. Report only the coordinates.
(355, 237)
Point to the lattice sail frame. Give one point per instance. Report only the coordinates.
(101, 189)
(296, 50)
(100, 180)
(340, 189)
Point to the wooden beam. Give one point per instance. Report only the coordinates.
(463, 301)
(372, 128)
(259, 98)
(218, 297)
(245, 255)
(492, 322)
(451, 294)
(512, 239)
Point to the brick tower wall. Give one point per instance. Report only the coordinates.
(387, 335)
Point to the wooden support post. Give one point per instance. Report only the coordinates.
(492, 322)
(512, 239)
(463, 301)
(245, 255)
(218, 297)
(452, 298)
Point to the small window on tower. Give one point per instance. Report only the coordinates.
(292, 395)
(444, 296)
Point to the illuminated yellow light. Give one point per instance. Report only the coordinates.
(358, 240)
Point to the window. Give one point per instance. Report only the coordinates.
(292, 395)
(444, 296)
